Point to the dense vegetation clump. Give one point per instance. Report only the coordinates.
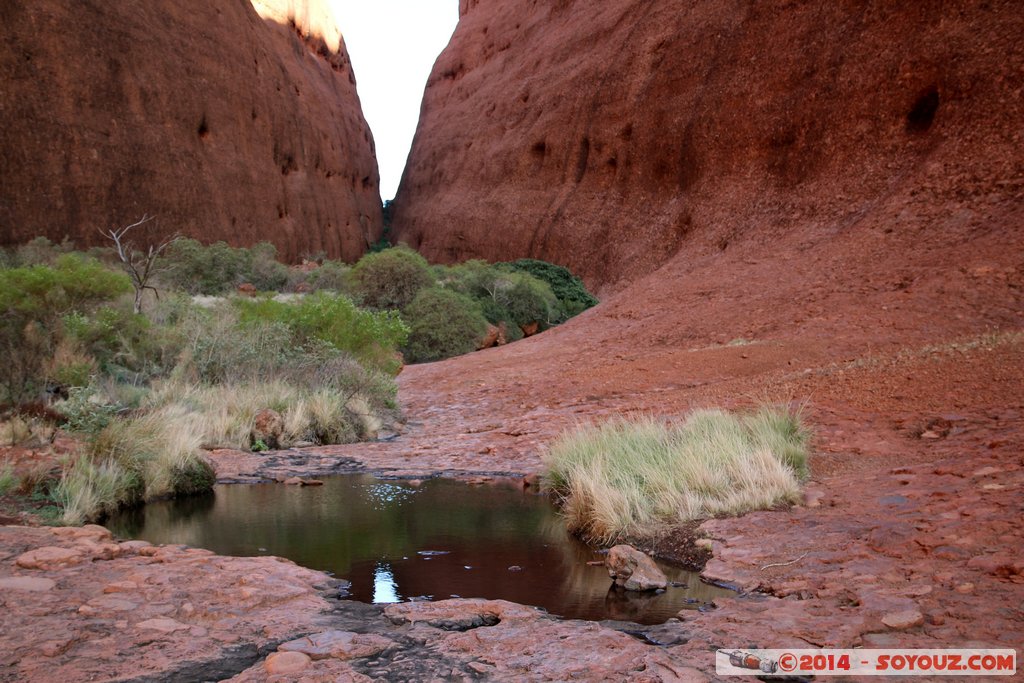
(391, 279)
(194, 268)
(631, 477)
(226, 334)
(570, 291)
(443, 323)
(33, 303)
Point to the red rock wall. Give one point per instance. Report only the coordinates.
(226, 125)
(612, 136)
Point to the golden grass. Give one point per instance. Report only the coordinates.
(131, 460)
(631, 477)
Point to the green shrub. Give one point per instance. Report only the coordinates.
(390, 279)
(635, 476)
(371, 337)
(527, 300)
(123, 343)
(442, 324)
(7, 478)
(496, 314)
(40, 251)
(506, 296)
(86, 412)
(266, 273)
(567, 288)
(191, 267)
(332, 276)
(474, 278)
(33, 300)
(73, 283)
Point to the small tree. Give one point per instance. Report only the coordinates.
(139, 264)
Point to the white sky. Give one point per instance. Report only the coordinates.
(393, 45)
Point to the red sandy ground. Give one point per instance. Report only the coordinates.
(912, 379)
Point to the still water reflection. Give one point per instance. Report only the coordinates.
(395, 541)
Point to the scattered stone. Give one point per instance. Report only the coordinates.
(247, 289)
(283, 663)
(54, 648)
(50, 557)
(634, 570)
(812, 498)
(90, 532)
(121, 587)
(903, 619)
(27, 583)
(163, 625)
(530, 329)
(134, 546)
(337, 645)
(986, 471)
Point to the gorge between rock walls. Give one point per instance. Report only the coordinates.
(863, 244)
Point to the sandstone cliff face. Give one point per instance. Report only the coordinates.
(228, 120)
(610, 137)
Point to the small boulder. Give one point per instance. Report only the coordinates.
(50, 557)
(530, 329)
(490, 338)
(903, 619)
(337, 644)
(267, 427)
(633, 570)
(284, 663)
(247, 289)
(163, 625)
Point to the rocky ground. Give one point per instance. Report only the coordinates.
(910, 533)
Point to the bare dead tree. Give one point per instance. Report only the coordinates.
(139, 263)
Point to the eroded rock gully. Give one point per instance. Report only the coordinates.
(222, 123)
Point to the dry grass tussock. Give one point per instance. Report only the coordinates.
(152, 456)
(223, 415)
(631, 477)
(159, 452)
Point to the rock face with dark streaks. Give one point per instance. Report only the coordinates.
(231, 121)
(610, 137)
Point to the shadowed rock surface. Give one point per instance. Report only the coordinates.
(615, 138)
(225, 125)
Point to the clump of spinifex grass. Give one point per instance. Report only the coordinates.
(132, 460)
(631, 477)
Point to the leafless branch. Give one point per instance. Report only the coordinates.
(139, 264)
